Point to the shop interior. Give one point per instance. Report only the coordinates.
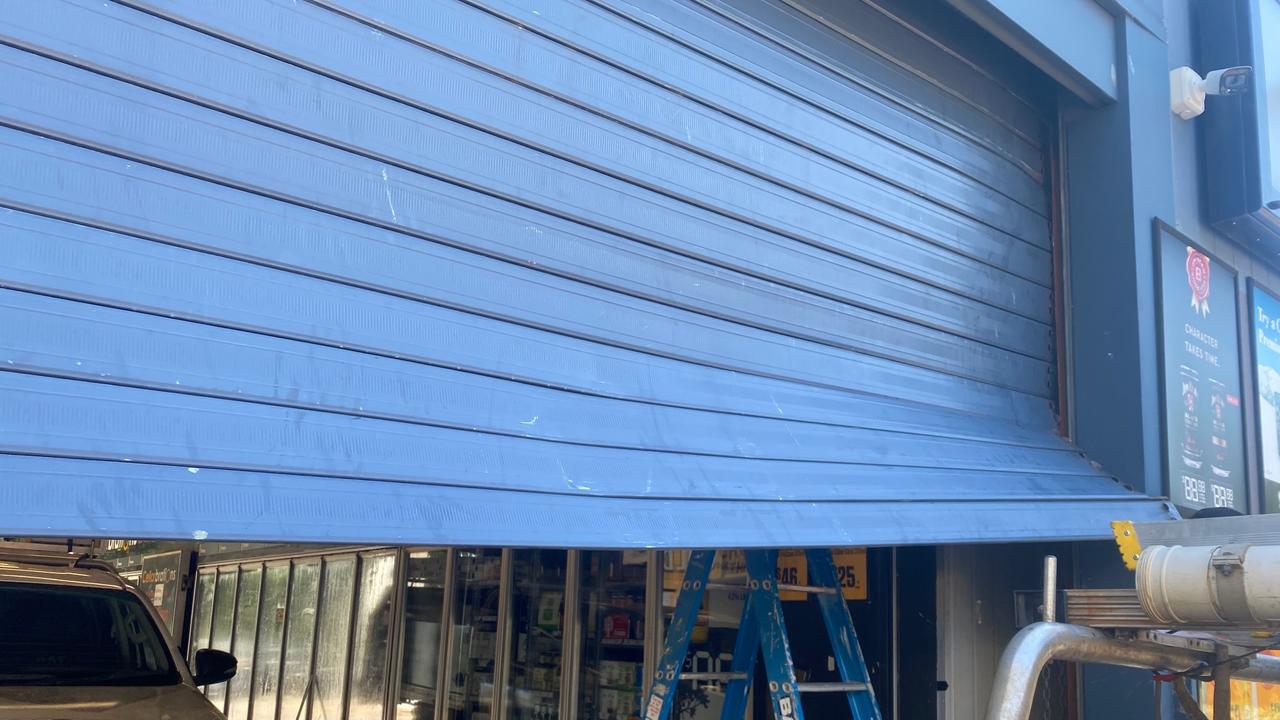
(520, 634)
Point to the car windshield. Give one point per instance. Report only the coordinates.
(54, 635)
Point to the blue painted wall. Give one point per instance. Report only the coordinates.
(1127, 164)
(1071, 40)
(1189, 216)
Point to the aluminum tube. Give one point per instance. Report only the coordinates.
(1210, 585)
(832, 687)
(1176, 585)
(1262, 669)
(688, 676)
(1036, 645)
(1050, 588)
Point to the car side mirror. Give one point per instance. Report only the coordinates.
(213, 667)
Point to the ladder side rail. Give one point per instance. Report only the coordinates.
(767, 607)
(844, 638)
(745, 648)
(679, 633)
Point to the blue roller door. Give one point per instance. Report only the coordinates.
(571, 273)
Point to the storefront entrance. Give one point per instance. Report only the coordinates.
(480, 634)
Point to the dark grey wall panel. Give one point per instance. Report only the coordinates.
(627, 254)
(1074, 41)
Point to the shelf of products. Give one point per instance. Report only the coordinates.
(423, 616)
(473, 642)
(612, 613)
(537, 634)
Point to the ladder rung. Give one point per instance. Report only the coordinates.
(712, 676)
(782, 587)
(830, 687)
(813, 589)
(726, 586)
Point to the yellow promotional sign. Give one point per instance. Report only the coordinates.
(851, 570)
(792, 570)
(1250, 701)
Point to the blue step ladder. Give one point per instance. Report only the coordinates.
(763, 631)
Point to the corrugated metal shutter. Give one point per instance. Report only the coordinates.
(565, 273)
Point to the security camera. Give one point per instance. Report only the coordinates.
(1187, 89)
(1230, 81)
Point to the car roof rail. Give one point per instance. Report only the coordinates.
(53, 553)
(87, 562)
(82, 561)
(64, 546)
(38, 557)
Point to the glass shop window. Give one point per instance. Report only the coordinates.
(242, 642)
(370, 652)
(473, 638)
(203, 610)
(271, 619)
(300, 629)
(611, 683)
(333, 637)
(423, 619)
(537, 634)
(290, 625)
(224, 612)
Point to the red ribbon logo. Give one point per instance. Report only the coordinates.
(1198, 280)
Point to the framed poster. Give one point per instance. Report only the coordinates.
(1204, 452)
(161, 583)
(1264, 314)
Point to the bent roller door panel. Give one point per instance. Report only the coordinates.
(170, 502)
(357, 270)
